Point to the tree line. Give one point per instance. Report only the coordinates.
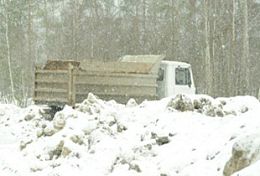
(219, 38)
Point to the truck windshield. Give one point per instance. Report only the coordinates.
(182, 76)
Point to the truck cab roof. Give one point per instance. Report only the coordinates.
(175, 63)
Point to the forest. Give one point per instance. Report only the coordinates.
(219, 38)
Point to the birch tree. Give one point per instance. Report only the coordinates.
(245, 64)
(208, 61)
(231, 62)
(6, 14)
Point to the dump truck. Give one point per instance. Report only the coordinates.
(141, 77)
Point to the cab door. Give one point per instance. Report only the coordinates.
(161, 82)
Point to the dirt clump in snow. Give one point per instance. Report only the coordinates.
(91, 105)
(245, 152)
(59, 121)
(162, 140)
(205, 105)
(59, 150)
(49, 130)
(131, 103)
(181, 103)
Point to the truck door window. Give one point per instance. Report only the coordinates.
(182, 76)
(160, 75)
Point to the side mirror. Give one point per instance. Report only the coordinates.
(160, 75)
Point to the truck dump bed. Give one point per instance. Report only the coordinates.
(69, 82)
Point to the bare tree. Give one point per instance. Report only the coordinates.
(6, 14)
(219, 38)
(245, 64)
(208, 61)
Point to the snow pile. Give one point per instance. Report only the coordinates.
(173, 136)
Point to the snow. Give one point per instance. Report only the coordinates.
(252, 170)
(152, 138)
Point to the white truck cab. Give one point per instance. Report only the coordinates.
(175, 78)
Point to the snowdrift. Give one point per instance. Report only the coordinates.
(183, 135)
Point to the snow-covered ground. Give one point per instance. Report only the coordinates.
(192, 137)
